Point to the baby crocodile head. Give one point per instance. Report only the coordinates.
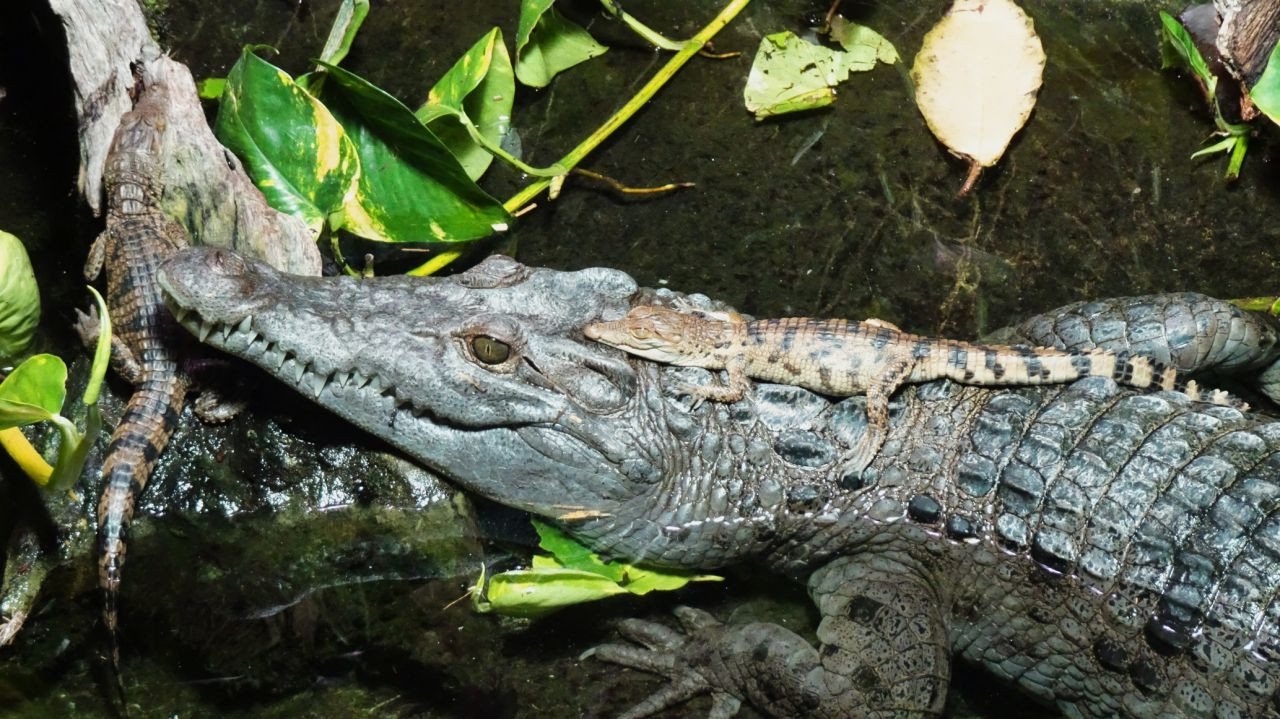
(684, 338)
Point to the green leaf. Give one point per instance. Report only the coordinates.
(1226, 144)
(342, 33)
(864, 45)
(548, 44)
(101, 352)
(293, 147)
(790, 75)
(478, 90)
(572, 574)
(535, 592)
(1266, 93)
(570, 553)
(1179, 45)
(33, 391)
(410, 187)
(19, 297)
(211, 88)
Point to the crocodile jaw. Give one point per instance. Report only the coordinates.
(546, 433)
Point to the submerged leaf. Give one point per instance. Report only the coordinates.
(976, 78)
(33, 391)
(790, 75)
(293, 147)
(479, 89)
(410, 187)
(548, 44)
(19, 297)
(865, 45)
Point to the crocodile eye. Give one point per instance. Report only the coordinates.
(490, 350)
(641, 333)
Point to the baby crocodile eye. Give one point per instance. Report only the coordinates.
(490, 350)
(641, 333)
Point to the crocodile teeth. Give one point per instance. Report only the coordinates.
(340, 378)
(318, 382)
(357, 380)
(272, 357)
(291, 370)
(181, 313)
(205, 329)
(245, 325)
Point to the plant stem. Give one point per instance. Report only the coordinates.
(1237, 157)
(502, 154)
(646, 93)
(649, 34)
(660, 78)
(28, 459)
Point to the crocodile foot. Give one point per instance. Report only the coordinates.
(687, 660)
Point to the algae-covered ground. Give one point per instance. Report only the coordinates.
(288, 566)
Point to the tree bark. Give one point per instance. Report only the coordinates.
(1250, 29)
(110, 51)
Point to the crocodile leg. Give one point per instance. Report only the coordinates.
(879, 390)
(97, 256)
(123, 361)
(883, 651)
(736, 388)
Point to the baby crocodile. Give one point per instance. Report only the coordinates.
(146, 347)
(840, 358)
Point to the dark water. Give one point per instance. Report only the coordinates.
(242, 600)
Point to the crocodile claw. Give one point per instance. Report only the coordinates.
(680, 657)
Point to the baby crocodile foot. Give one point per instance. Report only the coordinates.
(685, 659)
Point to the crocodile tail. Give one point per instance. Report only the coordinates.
(1021, 364)
(149, 419)
(1144, 372)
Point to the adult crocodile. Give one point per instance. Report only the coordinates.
(1110, 552)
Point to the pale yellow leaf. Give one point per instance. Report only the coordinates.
(976, 77)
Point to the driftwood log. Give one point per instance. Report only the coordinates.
(1249, 31)
(111, 55)
(110, 52)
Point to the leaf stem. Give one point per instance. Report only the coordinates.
(650, 88)
(26, 456)
(497, 151)
(649, 34)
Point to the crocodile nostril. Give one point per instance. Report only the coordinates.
(226, 262)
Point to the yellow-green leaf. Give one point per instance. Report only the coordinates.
(410, 188)
(479, 90)
(293, 147)
(976, 78)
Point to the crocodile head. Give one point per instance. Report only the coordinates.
(484, 377)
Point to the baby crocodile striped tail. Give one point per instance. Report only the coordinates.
(842, 358)
(1021, 364)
